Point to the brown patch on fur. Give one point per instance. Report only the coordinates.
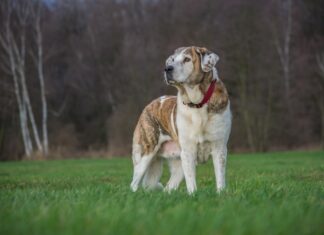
(205, 82)
(219, 99)
(197, 74)
(154, 120)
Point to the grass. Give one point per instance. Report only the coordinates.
(275, 193)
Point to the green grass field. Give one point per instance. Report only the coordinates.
(278, 193)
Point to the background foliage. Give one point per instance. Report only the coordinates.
(103, 62)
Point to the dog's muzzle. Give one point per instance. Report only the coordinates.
(168, 74)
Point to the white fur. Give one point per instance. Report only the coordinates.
(172, 121)
(215, 74)
(176, 174)
(194, 93)
(208, 61)
(136, 153)
(153, 174)
(140, 169)
(181, 70)
(219, 161)
(162, 99)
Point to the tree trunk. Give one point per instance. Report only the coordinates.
(41, 81)
(21, 72)
(7, 44)
(22, 112)
(283, 50)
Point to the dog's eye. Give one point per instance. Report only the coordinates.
(187, 59)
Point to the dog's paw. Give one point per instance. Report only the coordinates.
(133, 187)
(159, 186)
(168, 189)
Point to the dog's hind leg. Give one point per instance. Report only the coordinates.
(142, 164)
(140, 168)
(147, 141)
(153, 174)
(176, 175)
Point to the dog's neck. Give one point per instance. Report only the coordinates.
(194, 93)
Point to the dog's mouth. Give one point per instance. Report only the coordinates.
(170, 82)
(168, 79)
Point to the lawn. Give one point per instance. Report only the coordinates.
(275, 193)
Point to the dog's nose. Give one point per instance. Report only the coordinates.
(168, 69)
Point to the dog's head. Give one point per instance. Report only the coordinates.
(187, 65)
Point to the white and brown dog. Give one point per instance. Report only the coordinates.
(184, 129)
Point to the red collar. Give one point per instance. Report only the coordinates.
(206, 98)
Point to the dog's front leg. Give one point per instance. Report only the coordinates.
(188, 159)
(219, 159)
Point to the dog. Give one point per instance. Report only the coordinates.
(185, 129)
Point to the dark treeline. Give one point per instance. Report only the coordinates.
(103, 62)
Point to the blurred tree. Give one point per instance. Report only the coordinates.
(17, 18)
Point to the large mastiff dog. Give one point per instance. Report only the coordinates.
(184, 129)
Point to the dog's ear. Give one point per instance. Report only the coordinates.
(208, 59)
(179, 50)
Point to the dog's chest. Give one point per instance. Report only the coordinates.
(199, 126)
(196, 125)
(206, 130)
